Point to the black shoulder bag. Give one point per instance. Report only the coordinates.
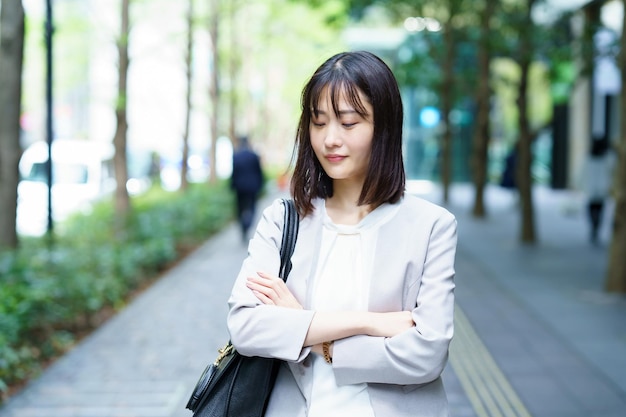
(236, 385)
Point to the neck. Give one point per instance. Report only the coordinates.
(342, 207)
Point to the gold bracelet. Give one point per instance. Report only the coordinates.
(326, 350)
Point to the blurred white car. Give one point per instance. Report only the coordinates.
(82, 173)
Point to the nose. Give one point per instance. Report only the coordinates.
(333, 136)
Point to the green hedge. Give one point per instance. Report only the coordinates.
(51, 293)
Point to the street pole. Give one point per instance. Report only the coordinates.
(49, 29)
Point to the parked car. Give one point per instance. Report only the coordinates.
(82, 172)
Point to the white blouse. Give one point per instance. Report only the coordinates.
(342, 282)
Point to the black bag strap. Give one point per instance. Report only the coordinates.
(290, 235)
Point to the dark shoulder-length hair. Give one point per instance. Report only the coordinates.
(346, 75)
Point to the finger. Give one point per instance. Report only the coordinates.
(269, 277)
(263, 298)
(277, 285)
(264, 281)
(268, 292)
(257, 288)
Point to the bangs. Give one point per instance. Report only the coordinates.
(358, 79)
(336, 86)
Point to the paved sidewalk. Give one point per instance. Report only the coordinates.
(541, 311)
(536, 335)
(145, 361)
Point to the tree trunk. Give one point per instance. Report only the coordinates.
(11, 59)
(122, 200)
(184, 183)
(446, 109)
(616, 275)
(214, 92)
(234, 69)
(524, 146)
(482, 131)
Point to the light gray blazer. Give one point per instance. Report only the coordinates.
(413, 270)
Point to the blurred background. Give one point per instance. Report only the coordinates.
(200, 74)
(266, 49)
(106, 101)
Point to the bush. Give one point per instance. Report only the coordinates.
(53, 292)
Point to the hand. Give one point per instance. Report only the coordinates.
(272, 291)
(390, 324)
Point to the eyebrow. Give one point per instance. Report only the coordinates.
(341, 112)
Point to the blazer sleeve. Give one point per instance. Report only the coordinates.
(418, 355)
(263, 330)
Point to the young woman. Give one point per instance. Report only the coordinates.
(365, 318)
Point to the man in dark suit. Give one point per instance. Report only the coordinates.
(247, 182)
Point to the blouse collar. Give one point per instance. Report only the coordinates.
(375, 218)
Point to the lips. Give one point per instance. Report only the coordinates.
(335, 158)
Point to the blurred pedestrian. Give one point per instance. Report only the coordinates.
(364, 322)
(247, 183)
(509, 172)
(597, 180)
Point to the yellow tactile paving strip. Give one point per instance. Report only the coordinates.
(486, 387)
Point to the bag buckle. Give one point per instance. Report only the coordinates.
(223, 352)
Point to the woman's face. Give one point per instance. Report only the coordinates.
(342, 143)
